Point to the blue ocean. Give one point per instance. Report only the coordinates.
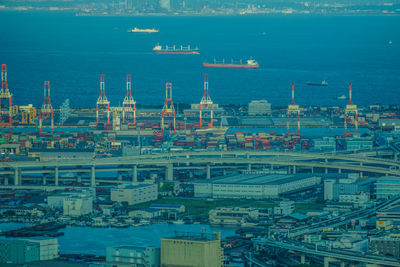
(71, 52)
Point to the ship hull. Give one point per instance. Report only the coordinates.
(230, 66)
(177, 52)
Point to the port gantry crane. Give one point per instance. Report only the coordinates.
(5, 94)
(350, 111)
(168, 108)
(129, 104)
(102, 102)
(47, 109)
(207, 103)
(293, 109)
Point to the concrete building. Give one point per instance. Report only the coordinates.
(48, 247)
(285, 208)
(358, 143)
(134, 194)
(147, 213)
(326, 144)
(254, 186)
(387, 186)
(9, 148)
(192, 250)
(386, 245)
(57, 201)
(334, 187)
(18, 251)
(168, 207)
(356, 198)
(259, 107)
(77, 205)
(136, 256)
(233, 216)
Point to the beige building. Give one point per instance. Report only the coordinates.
(232, 216)
(192, 250)
(48, 247)
(77, 205)
(134, 194)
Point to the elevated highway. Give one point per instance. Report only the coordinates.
(167, 162)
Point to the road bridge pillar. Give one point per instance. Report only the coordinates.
(249, 167)
(361, 174)
(272, 167)
(395, 156)
(134, 174)
(188, 157)
(56, 176)
(6, 179)
(93, 177)
(44, 180)
(312, 169)
(190, 174)
(17, 176)
(79, 177)
(326, 170)
(208, 171)
(339, 170)
(303, 258)
(169, 172)
(328, 260)
(294, 169)
(119, 176)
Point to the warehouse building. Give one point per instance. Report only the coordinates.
(48, 247)
(192, 250)
(18, 251)
(259, 107)
(256, 186)
(134, 194)
(387, 187)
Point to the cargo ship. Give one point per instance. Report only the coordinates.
(158, 49)
(323, 83)
(143, 30)
(250, 64)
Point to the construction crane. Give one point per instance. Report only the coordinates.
(129, 104)
(102, 102)
(350, 111)
(206, 103)
(5, 94)
(168, 108)
(47, 109)
(293, 109)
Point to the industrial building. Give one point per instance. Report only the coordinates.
(18, 251)
(341, 185)
(147, 213)
(259, 107)
(325, 144)
(387, 186)
(134, 194)
(48, 247)
(192, 250)
(135, 256)
(386, 245)
(256, 186)
(77, 205)
(233, 216)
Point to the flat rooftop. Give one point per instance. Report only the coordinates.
(258, 179)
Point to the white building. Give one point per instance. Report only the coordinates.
(77, 205)
(57, 201)
(285, 207)
(48, 247)
(357, 198)
(134, 194)
(256, 186)
(259, 107)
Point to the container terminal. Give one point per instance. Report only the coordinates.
(285, 178)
